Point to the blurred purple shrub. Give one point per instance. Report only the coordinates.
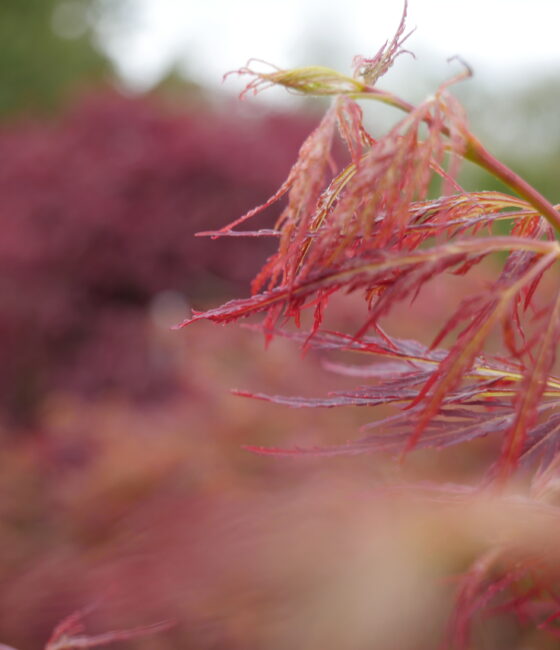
(99, 212)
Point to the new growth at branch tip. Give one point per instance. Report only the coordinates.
(368, 224)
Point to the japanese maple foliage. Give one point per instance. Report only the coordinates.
(371, 227)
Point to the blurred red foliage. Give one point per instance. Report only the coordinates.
(99, 212)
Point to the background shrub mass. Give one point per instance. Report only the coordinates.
(99, 215)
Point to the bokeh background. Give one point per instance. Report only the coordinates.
(124, 485)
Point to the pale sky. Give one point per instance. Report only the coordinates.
(502, 39)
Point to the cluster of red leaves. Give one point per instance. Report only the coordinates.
(99, 212)
(505, 584)
(369, 227)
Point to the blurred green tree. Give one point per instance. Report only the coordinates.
(47, 48)
(527, 137)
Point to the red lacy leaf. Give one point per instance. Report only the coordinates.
(373, 68)
(404, 273)
(531, 390)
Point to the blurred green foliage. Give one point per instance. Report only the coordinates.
(46, 48)
(519, 125)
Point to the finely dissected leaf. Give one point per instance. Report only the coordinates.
(506, 581)
(469, 343)
(305, 180)
(311, 402)
(449, 427)
(352, 130)
(384, 178)
(404, 273)
(320, 80)
(371, 69)
(388, 370)
(532, 388)
(475, 593)
(542, 443)
(369, 228)
(458, 212)
(382, 344)
(480, 406)
(454, 214)
(444, 430)
(371, 209)
(312, 80)
(411, 382)
(518, 263)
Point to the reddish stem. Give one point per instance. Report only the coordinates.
(477, 154)
(480, 156)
